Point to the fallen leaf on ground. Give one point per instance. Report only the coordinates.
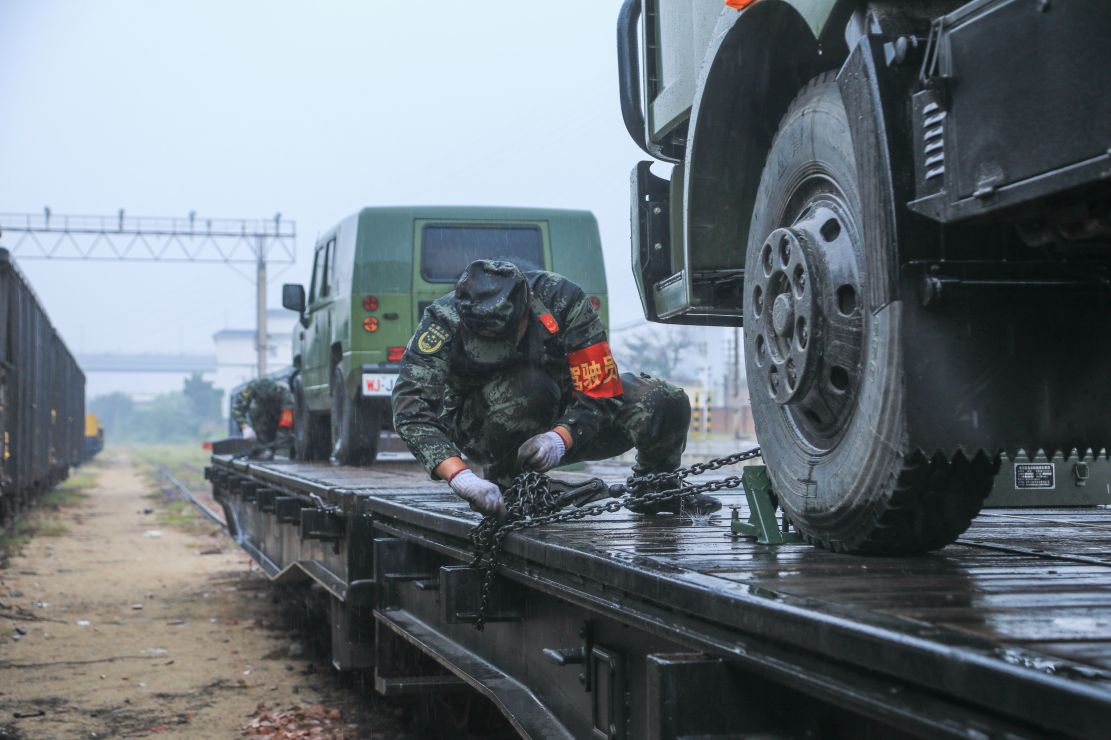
(296, 722)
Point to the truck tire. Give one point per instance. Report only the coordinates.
(356, 424)
(825, 368)
(310, 433)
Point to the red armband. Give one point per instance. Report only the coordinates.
(286, 419)
(594, 371)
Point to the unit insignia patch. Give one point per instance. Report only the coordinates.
(431, 340)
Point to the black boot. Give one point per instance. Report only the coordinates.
(699, 504)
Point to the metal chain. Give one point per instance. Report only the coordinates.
(529, 503)
(245, 454)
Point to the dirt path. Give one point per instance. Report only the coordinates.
(133, 628)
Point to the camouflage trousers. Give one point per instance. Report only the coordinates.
(265, 422)
(493, 422)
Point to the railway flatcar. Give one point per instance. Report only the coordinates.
(42, 397)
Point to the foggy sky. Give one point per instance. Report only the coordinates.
(245, 109)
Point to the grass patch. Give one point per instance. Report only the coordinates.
(24, 528)
(64, 496)
(50, 527)
(182, 516)
(16, 536)
(176, 512)
(41, 520)
(184, 461)
(82, 481)
(174, 457)
(73, 491)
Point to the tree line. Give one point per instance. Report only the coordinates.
(188, 415)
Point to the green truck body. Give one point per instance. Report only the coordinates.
(902, 202)
(373, 275)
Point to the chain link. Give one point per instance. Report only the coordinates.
(245, 454)
(530, 502)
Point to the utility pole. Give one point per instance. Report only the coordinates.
(117, 238)
(260, 283)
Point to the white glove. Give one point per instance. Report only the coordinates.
(542, 452)
(249, 433)
(482, 495)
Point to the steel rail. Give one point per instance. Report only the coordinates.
(188, 495)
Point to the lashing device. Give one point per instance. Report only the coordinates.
(762, 523)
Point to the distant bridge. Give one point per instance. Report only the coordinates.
(145, 363)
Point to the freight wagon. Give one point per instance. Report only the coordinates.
(42, 397)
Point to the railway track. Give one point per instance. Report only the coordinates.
(187, 495)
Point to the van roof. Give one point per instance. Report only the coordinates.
(483, 212)
(390, 230)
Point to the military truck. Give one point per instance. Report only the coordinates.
(906, 206)
(373, 275)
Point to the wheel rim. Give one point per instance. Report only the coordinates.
(804, 316)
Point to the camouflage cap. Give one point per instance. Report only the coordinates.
(491, 297)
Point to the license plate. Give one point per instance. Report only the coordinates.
(378, 384)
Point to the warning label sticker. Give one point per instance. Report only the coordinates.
(1030, 476)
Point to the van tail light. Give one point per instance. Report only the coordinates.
(595, 302)
(739, 4)
(370, 324)
(370, 303)
(394, 354)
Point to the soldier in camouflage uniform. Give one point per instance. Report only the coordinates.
(514, 370)
(264, 412)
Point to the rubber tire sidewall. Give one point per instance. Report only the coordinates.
(835, 497)
(304, 446)
(356, 425)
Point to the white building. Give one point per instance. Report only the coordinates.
(236, 359)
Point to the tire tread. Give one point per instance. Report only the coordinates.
(926, 501)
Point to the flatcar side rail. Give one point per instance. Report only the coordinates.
(981, 671)
(1004, 631)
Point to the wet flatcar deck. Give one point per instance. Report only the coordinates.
(1008, 629)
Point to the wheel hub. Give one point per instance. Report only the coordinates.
(804, 321)
(783, 315)
(783, 342)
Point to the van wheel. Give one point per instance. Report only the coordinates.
(310, 432)
(825, 367)
(356, 425)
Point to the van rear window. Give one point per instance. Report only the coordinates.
(447, 249)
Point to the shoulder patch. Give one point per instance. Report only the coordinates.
(431, 340)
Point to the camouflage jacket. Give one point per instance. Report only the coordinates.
(264, 396)
(442, 364)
